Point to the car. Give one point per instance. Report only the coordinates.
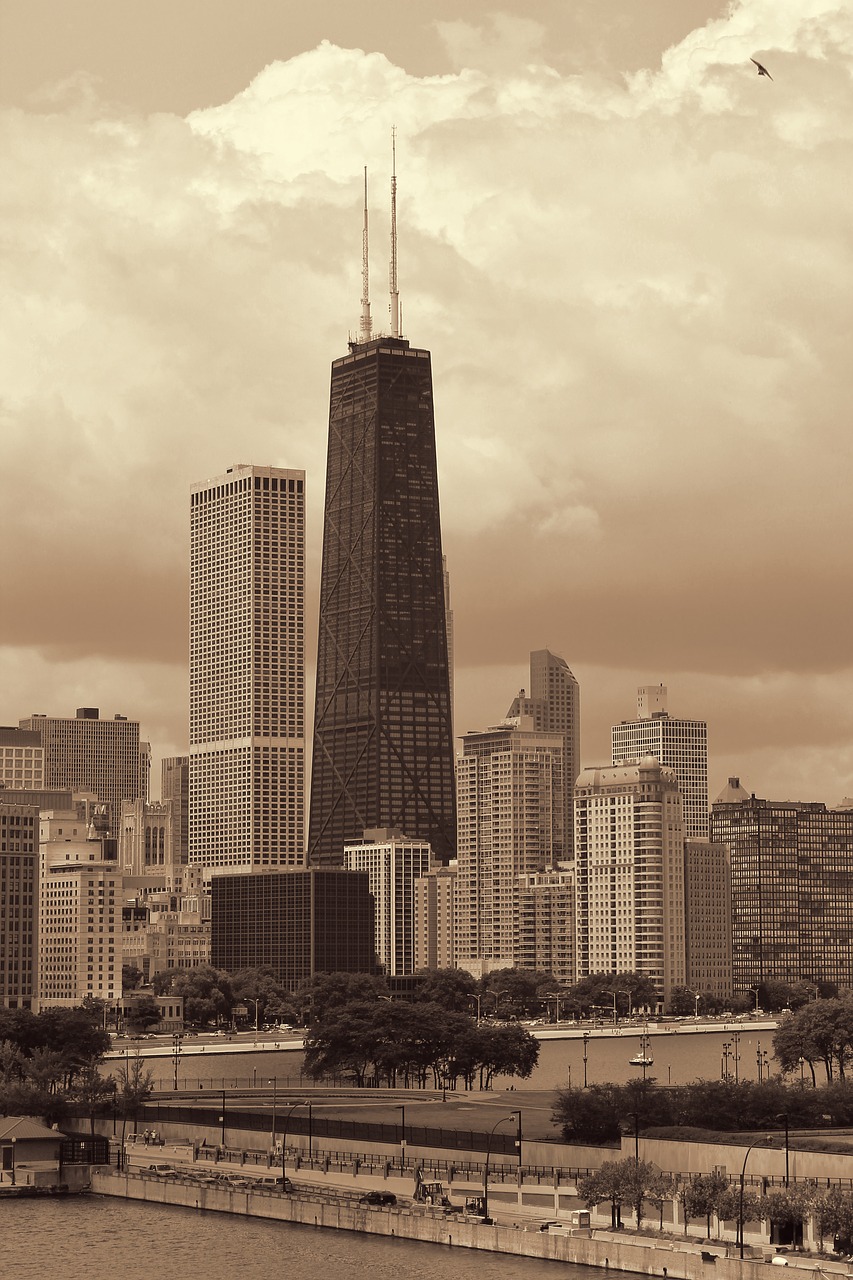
(378, 1197)
(164, 1170)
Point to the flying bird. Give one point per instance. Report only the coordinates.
(762, 71)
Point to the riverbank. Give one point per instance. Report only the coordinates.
(674, 1259)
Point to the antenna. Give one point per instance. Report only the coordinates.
(395, 294)
(365, 328)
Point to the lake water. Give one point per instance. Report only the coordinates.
(95, 1238)
(679, 1058)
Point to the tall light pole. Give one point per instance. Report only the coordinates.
(176, 1056)
(287, 1116)
(255, 1003)
(736, 1054)
(623, 992)
(503, 1120)
(402, 1109)
(497, 994)
(585, 1055)
(478, 999)
(742, 1180)
(724, 1072)
(274, 1083)
(783, 1115)
(755, 991)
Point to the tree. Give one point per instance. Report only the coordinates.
(508, 1051)
(729, 1207)
(789, 1207)
(133, 1084)
(75, 1034)
(131, 977)
(516, 993)
(588, 1115)
(206, 992)
(326, 991)
(262, 987)
(599, 989)
(453, 989)
(833, 1214)
(142, 1012)
(94, 1091)
(821, 1031)
(607, 1183)
(682, 1002)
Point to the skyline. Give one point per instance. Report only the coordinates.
(634, 278)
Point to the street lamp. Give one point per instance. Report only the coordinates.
(515, 1115)
(742, 1180)
(274, 1083)
(14, 1142)
(585, 1054)
(736, 1054)
(623, 992)
(755, 991)
(478, 999)
(783, 1115)
(497, 994)
(696, 997)
(402, 1109)
(288, 1114)
(724, 1069)
(176, 1055)
(763, 1066)
(249, 1000)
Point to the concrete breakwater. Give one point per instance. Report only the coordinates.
(611, 1251)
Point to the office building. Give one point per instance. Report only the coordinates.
(708, 918)
(435, 919)
(510, 797)
(629, 861)
(247, 731)
(79, 919)
(21, 760)
(175, 786)
(792, 888)
(299, 922)
(554, 705)
(86, 753)
(393, 864)
(19, 829)
(383, 732)
(682, 745)
(546, 924)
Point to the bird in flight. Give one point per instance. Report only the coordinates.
(762, 71)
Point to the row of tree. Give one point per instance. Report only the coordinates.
(377, 1042)
(637, 1183)
(603, 1112)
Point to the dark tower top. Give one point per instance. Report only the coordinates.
(383, 744)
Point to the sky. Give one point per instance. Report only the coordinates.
(629, 254)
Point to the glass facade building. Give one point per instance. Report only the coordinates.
(383, 738)
(792, 890)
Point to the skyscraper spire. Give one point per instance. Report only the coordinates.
(395, 295)
(365, 328)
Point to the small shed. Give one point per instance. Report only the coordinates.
(29, 1151)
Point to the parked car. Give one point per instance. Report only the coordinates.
(378, 1197)
(164, 1170)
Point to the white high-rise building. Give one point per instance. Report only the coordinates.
(680, 744)
(393, 864)
(247, 681)
(80, 908)
(509, 787)
(21, 760)
(554, 705)
(629, 851)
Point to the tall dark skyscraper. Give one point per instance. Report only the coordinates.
(383, 741)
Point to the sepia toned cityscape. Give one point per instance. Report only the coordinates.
(386, 939)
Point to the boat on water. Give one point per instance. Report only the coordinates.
(644, 1057)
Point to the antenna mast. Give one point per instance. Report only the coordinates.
(395, 295)
(365, 327)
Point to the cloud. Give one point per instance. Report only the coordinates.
(636, 293)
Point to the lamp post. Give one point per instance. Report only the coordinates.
(512, 1116)
(255, 1003)
(742, 1180)
(624, 992)
(274, 1083)
(585, 1054)
(736, 1054)
(222, 1119)
(402, 1109)
(761, 1059)
(783, 1115)
(724, 1069)
(176, 1056)
(497, 994)
(14, 1142)
(755, 991)
(478, 1000)
(287, 1116)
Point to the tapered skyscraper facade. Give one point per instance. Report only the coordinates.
(383, 743)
